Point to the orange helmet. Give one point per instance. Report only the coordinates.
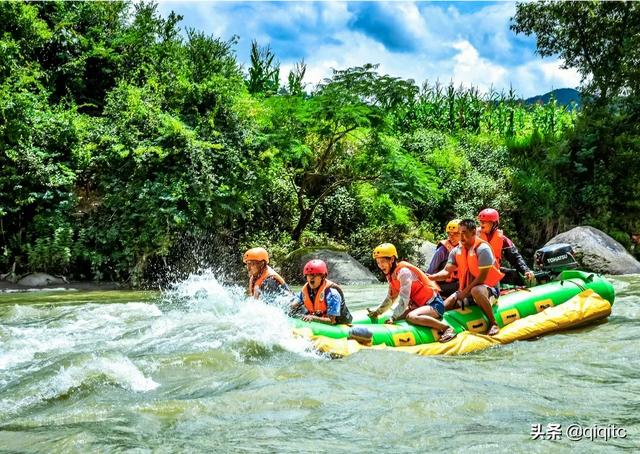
(489, 214)
(257, 253)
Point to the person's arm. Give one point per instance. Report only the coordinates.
(297, 308)
(316, 318)
(449, 268)
(406, 278)
(438, 260)
(486, 260)
(513, 256)
(386, 304)
(443, 274)
(334, 303)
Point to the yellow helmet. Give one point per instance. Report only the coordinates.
(385, 250)
(257, 253)
(453, 226)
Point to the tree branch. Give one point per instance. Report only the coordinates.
(334, 140)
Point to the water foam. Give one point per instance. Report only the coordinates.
(233, 320)
(113, 369)
(198, 315)
(63, 329)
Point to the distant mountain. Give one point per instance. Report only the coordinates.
(564, 96)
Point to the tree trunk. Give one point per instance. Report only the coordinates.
(305, 218)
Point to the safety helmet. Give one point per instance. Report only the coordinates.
(453, 226)
(489, 214)
(385, 250)
(256, 253)
(315, 266)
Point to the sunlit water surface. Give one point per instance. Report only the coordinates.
(201, 368)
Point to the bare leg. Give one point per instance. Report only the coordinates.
(480, 295)
(450, 302)
(426, 316)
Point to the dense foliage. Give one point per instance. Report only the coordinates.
(130, 149)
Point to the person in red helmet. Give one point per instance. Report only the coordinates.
(321, 300)
(503, 248)
(264, 282)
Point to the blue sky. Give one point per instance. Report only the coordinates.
(467, 42)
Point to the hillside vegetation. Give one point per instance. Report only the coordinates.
(133, 151)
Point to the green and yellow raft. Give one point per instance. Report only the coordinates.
(521, 314)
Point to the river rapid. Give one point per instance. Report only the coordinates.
(200, 368)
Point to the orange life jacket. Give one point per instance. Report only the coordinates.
(453, 276)
(422, 290)
(496, 243)
(254, 286)
(319, 304)
(467, 263)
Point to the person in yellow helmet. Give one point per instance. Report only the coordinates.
(440, 258)
(417, 297)
(264, 282)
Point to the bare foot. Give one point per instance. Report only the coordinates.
(448, 334)
(495, 329)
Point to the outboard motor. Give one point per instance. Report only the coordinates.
(550, 260)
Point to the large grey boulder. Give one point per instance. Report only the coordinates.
(343, 269)
(597, 251)
(40, 280)
(426, 251)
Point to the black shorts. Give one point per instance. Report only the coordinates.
(493, 292)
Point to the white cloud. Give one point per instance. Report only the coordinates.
(467, 67)
(471, 69)
(335, 15)
(538, 77)
(471, 48)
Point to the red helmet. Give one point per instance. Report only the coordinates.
(489, 214)
(315, 266)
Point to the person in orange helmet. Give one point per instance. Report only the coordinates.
(264, 282)
(503, 248)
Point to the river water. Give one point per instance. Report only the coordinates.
(200, 368)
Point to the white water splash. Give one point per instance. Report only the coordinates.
(233, 319)
(65, 329)
(198, 315)
(118, 370)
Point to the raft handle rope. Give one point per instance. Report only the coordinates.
(574, 283)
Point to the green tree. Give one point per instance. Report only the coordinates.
(264, 72)
(595, 167)
(295, 84)
(600, 39)
(334, 138)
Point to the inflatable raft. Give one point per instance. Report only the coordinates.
(510, 308)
